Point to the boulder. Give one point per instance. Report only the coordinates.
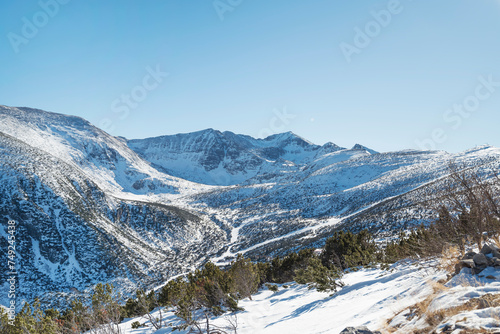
(495, 253)
(468, 256)
(464, 264)
(358, 330)
(480, 260)
(486, 249)
(468, 263)
(478, 270)
(447, 329)
(477, 262)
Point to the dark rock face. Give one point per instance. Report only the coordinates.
(486, 249)
(480, 260)
(495, 253)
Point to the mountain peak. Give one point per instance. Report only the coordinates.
(331, 145)
(209, 131)
(286, 137)
(361, 147)
(329, 148)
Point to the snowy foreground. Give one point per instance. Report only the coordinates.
(379, 299)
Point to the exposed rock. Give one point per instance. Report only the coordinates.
(468, 256)
(488, 257)
(225, 158)
(468, 263)
(358, 330)
(448, 329)
(486, 249)
(464, 264)
(478, 270)
(496, 253)
(480, 260)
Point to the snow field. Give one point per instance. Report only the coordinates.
(369, 298)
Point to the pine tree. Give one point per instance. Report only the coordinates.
(316, 275)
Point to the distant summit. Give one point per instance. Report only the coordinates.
(361, 147)
(222, 158)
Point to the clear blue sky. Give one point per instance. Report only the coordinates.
(233, 64)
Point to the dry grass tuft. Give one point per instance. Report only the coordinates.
(450, 256)
(434, 318)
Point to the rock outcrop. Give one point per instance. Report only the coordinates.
(489, 256)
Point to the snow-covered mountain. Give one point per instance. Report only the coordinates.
(70, 233)
(91, 207)
(82, 203)
(104, 158)
(225, 158)
(348, 189)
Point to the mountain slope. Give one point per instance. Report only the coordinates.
(73, 232)
(104, 158)
(379, 192)
(92, 207)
